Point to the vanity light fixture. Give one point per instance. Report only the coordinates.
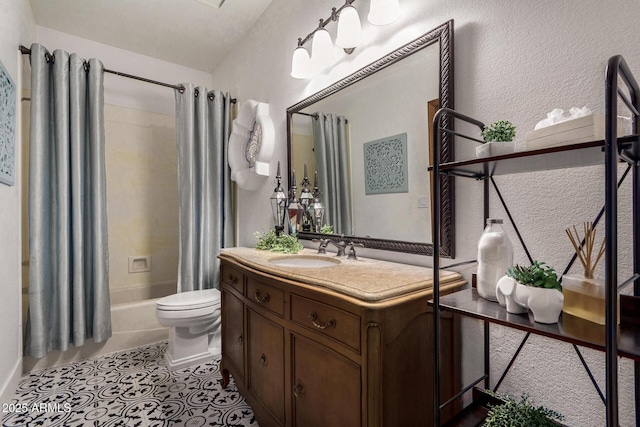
(383, 12)
(322, 53)
(349, 35)
(278, 204)
(301, 67)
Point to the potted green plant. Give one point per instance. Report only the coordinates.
(522, 413)
(498, 137)
(539, 290)
(284, 243)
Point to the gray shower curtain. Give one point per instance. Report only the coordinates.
(68, 262)
(332, 164)
(204, 185)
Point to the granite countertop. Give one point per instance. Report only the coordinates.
(366, 279)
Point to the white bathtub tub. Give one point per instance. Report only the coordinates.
(133, 323)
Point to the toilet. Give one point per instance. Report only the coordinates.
(194, 321)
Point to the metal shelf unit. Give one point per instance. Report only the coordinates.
(613, 341)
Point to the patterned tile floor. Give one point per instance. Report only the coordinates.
(130, 388)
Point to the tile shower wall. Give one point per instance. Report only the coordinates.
(142, 195)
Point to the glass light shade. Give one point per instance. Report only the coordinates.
(279, 207)
(318, 213)
(349, 28)
(301, 67)
(383, 12)
(322, 52)
(306, 200)
(295, 212)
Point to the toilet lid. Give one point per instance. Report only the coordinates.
(190, 300)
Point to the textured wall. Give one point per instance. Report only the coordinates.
(16, 26)
(513, 60)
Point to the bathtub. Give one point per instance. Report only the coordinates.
(133, 323)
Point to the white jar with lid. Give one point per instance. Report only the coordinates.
(495, 256)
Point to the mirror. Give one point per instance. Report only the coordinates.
(383, 116)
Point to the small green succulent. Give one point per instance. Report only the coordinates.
(536, 275)
(502, 130)
(521, 413)
(285, 243)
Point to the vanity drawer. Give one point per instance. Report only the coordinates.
(326, 320)
(269, 297)
(231, 277)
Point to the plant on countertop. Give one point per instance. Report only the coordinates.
(521, 413)
(285, 243)
(502, 130)
(536, 275)
(326, 229)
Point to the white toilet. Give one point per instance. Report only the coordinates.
(194, 321)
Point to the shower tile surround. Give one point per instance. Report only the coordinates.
(127, 388)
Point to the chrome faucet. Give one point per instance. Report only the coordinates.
(352, 250)
(322, 248)
(341, 245)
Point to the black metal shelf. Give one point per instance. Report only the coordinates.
(614, 340)
(562, 157)
(569, 328)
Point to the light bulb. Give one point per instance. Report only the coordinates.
(383, 12)
(322, 53)
(349, 28)
(301, 64)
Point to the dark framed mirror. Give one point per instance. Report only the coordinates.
(382, 116)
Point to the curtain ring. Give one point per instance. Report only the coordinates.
(181, 89)
(211, 96)
(196, 93)
(49, 57)
(86, 65)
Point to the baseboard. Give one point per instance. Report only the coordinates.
(9, 387)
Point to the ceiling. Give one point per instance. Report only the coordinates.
(186, 32)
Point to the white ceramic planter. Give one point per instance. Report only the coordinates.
(545, 304)
(495, 148)
(505, 291)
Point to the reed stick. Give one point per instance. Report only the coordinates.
(584, 247)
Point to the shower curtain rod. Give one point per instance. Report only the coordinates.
(26, 51)
(315, 116)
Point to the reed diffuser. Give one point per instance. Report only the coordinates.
(584, 294)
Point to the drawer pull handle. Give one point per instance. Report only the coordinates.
(298, 390)
(331, 323)
(240, 340)
(259, 299)
(232, 280)
(263, 361)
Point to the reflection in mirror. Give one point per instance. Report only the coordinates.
(367, 139)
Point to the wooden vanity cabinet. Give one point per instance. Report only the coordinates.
(312, 357)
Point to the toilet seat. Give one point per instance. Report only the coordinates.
(191, 300)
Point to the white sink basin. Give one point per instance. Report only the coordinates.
(305, 261)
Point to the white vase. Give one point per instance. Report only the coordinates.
(495, 148)
(505, 291)
(545, 304)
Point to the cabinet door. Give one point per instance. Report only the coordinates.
(326, 387)
(232, 334)
(266, 362)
